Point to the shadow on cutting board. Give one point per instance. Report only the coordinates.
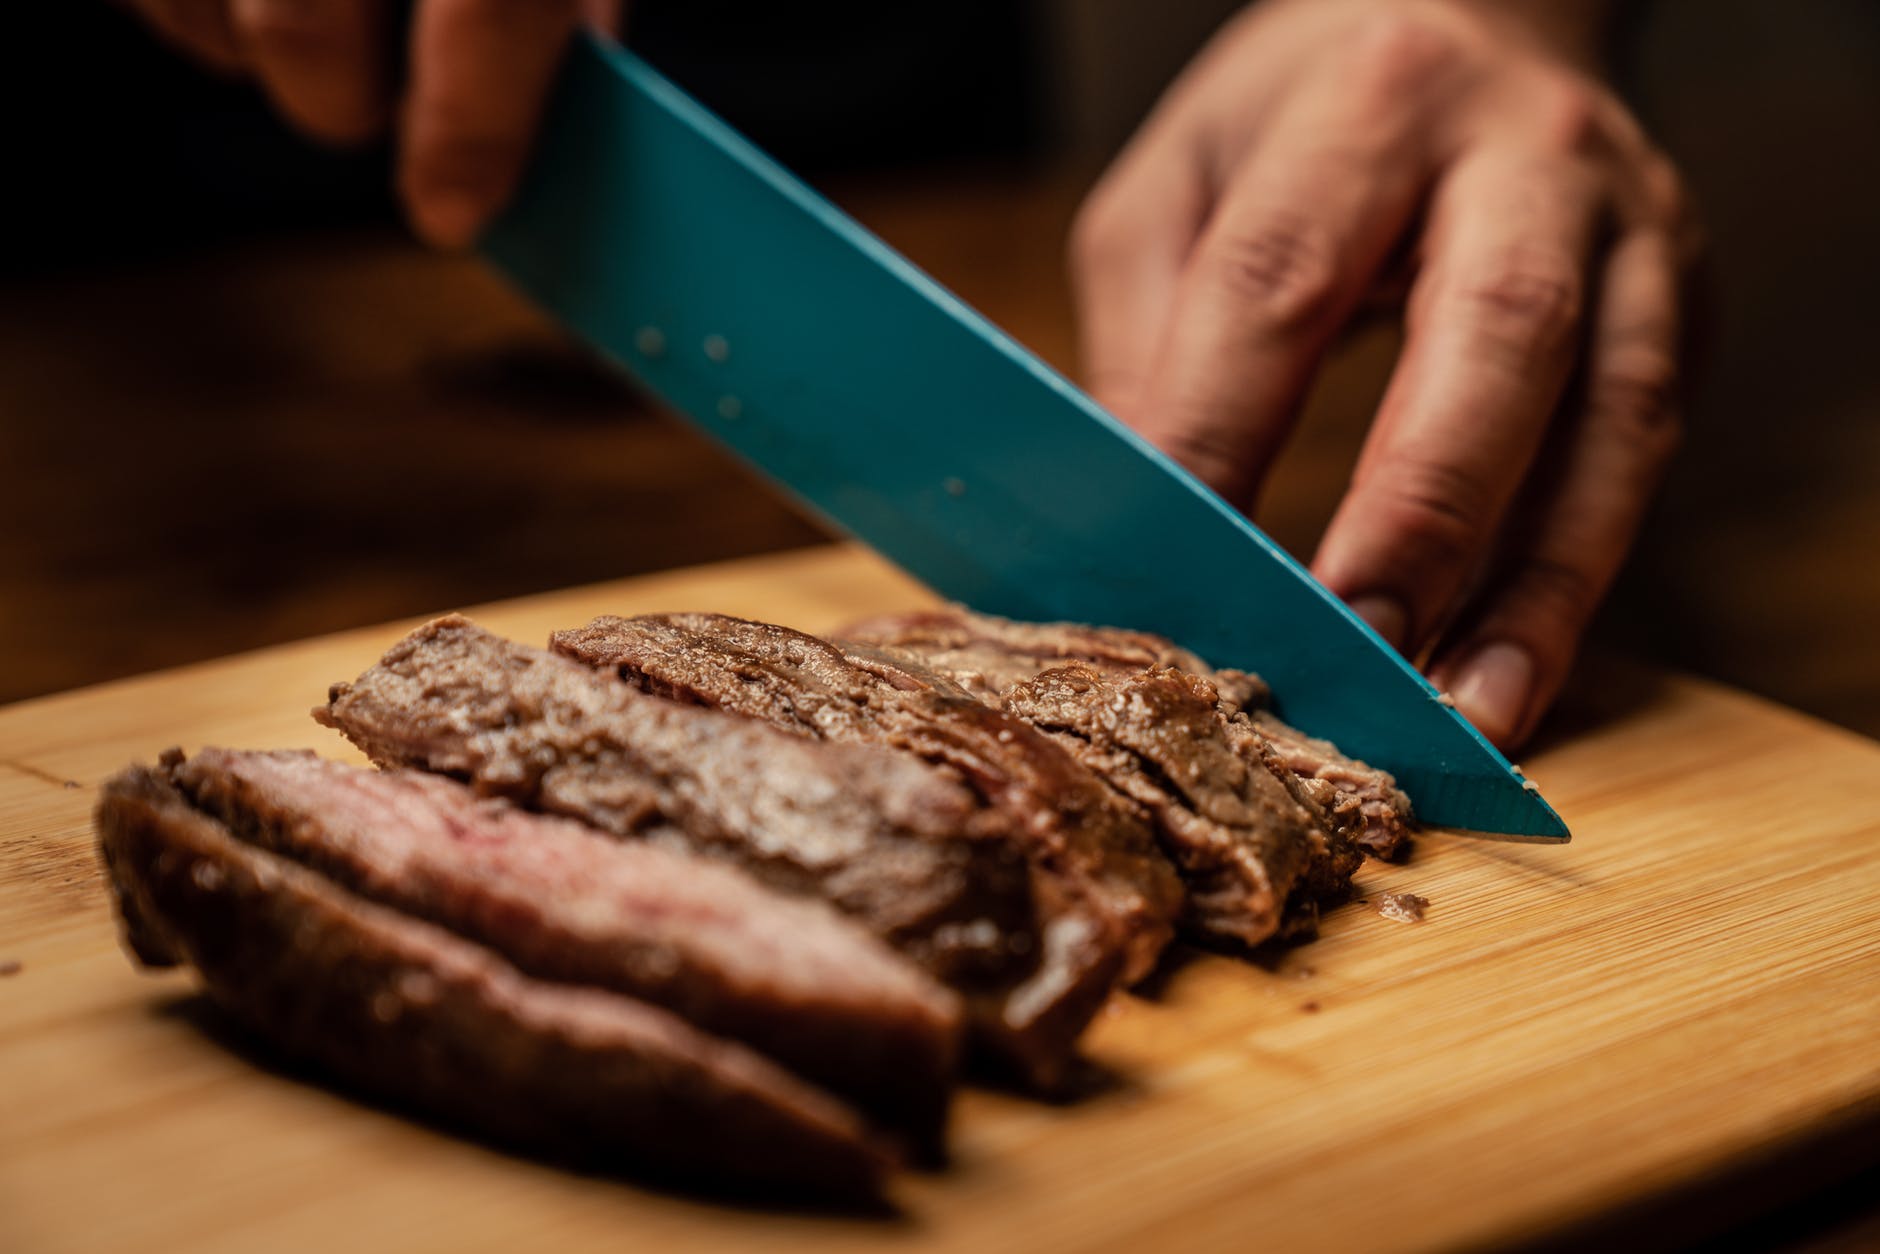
(1800, 1195)
(1602, 690)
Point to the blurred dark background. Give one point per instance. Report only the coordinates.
(237, 405)
(139, 151)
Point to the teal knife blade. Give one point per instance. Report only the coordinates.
(809, 347)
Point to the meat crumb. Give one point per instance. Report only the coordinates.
(1310, 1007)
(1403, 907)
(10, 966)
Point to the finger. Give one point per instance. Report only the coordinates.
(1127, 250)
(1493, 328)
(480, 73)
(1305, 224)
(1506, 665)
(605, 16)
(1135, 231)
(200, 28)
(326, 64)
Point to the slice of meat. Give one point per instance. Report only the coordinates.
(989, 655)
(425, 1019)
(1362, 803)
(906, 850)
(1246, 847)
(786, 975)
(1089, 854)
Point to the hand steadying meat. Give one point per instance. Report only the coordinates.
(1317, 148)
(475, 78)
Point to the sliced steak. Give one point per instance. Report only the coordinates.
(426, 1019)
(906, 850)
(784, 974)
(990, 655)
(1089, 854)
(1254, 859)
(1361, 803)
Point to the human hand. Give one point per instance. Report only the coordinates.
(476, 77)
(1314, 149)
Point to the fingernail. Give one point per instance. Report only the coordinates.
(1386, 616)
(1491, 690)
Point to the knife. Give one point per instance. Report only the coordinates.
(885, 404)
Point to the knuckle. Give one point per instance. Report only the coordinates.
(1529, 301)
(1437, 512)
(1281, 269)
(1403, 50)
(1572, 117)
(1212, 451)
(1637, 395)
(1555, 591)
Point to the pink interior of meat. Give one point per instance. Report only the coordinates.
(424, 830)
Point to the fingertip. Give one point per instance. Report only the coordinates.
(452, 186)
(480, 77)
(1493, 686)
(337, 124)
(326, 67)
(449, 223)
(200, 30)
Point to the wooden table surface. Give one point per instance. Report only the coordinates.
(1658, 1024)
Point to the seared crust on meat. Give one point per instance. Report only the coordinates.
(564, 902)
(1358, 803)
(1088, 854)
(988, 655)
(423, 1018)
(1242, 841)
(902, 847)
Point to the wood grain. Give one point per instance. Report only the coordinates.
(1690, 984)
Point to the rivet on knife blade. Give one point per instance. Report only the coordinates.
(651, 341)
(717, 348)
(954, 486)
(730, 408)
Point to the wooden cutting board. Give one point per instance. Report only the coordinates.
(1689, 989)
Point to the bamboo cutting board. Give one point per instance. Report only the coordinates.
(1691, 987)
